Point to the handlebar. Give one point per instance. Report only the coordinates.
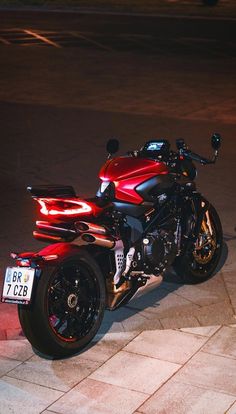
(186, 153)
(195, 157)
(160, 150)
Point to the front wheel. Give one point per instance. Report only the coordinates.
(68, 308)
(201, 258)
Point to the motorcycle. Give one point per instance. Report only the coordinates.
(146, 216)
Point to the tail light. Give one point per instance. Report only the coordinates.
(63, 207)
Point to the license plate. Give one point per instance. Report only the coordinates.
(18, 285)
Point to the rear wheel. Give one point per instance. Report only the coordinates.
(201, 259)
(68, 307)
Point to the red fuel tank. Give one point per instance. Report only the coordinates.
(129, 172)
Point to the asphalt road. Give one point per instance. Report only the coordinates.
(60, 101)
(172, 36)
(55, 66)
(220, 28)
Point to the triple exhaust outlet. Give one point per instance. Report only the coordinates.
(89, 233)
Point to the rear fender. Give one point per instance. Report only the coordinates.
(46, 259)
(57, 252)
(50, 255)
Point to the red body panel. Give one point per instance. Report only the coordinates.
(129, 172)
(59, 250)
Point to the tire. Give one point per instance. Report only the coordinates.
(68, 307)
(210, 2)
(198, 263)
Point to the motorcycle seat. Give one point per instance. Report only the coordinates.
(52, 191)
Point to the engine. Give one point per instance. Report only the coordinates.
(159, 250)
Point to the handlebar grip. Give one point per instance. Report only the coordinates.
(192, 156)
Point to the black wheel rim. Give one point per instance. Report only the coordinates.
(73, 301)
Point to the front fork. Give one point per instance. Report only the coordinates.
(200, 207)
(192, 220)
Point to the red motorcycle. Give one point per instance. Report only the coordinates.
(147, 216)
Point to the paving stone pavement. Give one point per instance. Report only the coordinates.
(189, 370)
(171, 349)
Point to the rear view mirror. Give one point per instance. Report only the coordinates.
(112, 146)
(216, 141)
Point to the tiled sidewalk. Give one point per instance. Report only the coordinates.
(172, 371)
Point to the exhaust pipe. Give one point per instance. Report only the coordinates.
(91, 234)
(47, 237)
(60, 231)
(96, 239)
(84, 227)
